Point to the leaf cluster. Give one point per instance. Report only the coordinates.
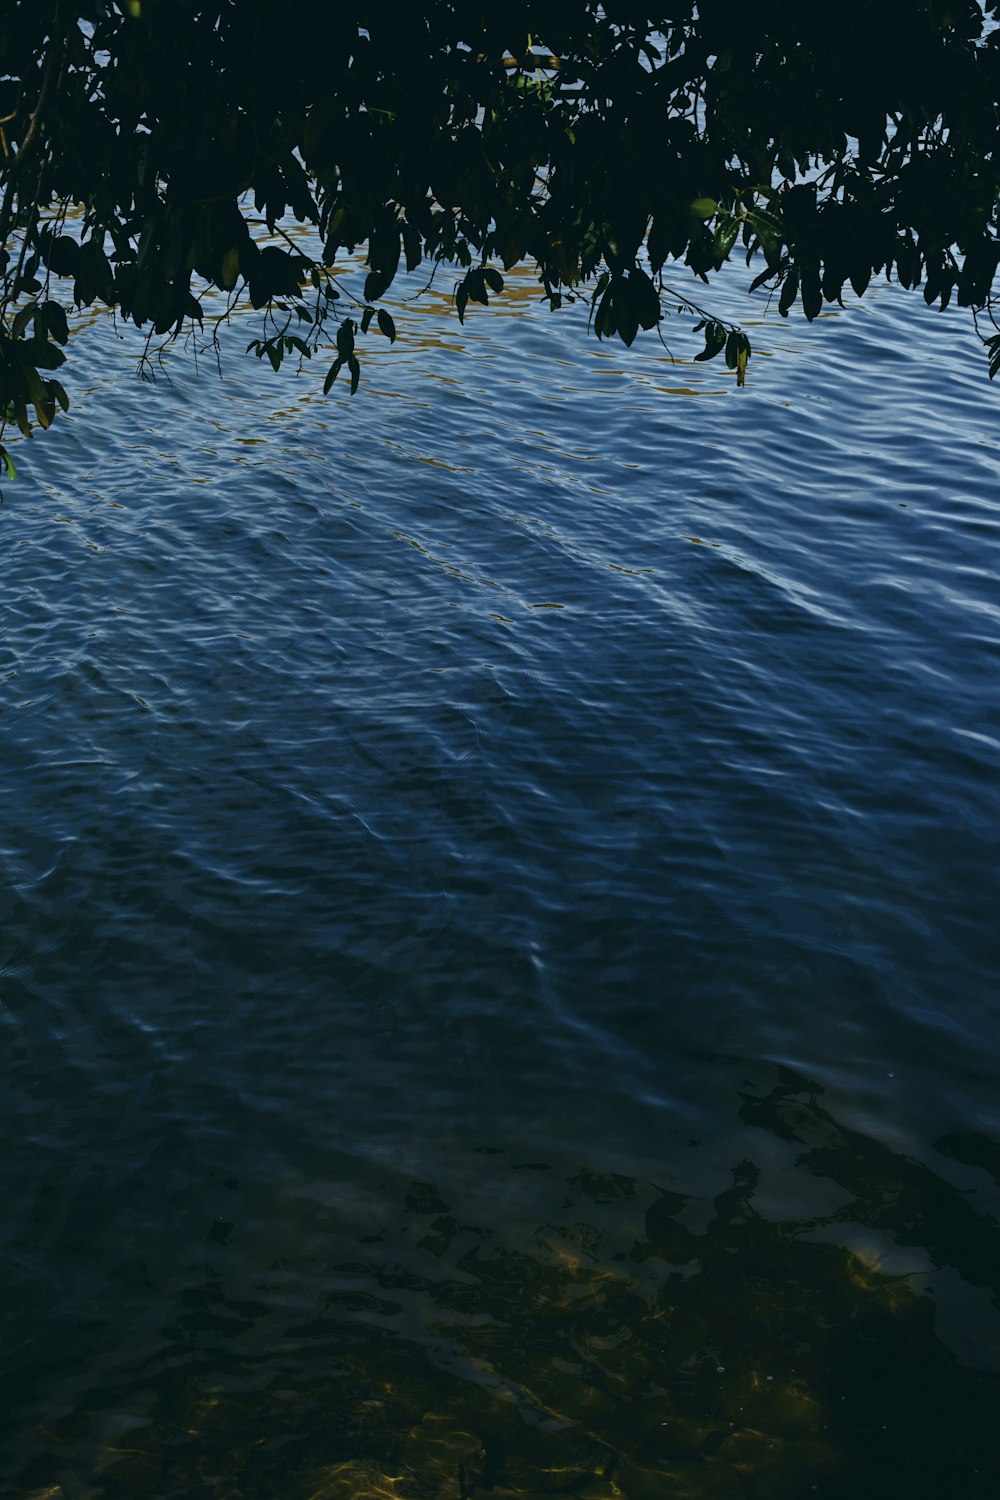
(153, 150)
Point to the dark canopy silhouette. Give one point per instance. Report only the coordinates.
(152, 150)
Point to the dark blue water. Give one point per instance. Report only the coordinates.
(499, 935)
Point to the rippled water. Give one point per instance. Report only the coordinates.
(499, 937)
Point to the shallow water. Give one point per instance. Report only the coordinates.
(499, 940)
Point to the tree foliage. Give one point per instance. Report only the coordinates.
(151, 150)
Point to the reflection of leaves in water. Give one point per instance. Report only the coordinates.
(635, 1343)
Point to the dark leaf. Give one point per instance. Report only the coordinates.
(606, 323)
(55, 322)
(758, 281)
(715, 339)
(645, 299)
(789, 292)
(376, 282)
(812, 295)
(411, 246)
(45, 355)
(628, 323)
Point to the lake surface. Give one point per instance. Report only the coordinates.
(499, 936)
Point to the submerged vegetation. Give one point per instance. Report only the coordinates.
(153, 150)
(605, 1336)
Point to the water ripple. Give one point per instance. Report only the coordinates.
(517, 758)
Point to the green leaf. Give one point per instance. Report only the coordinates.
(37, 394)
(703, 208)
(768, 237)
(725, 239)
(22, 319)
(8, 463)
(742, 357)
(230, 269)
(770, 243)
(715, 339)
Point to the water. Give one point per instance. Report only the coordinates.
(499, 954)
